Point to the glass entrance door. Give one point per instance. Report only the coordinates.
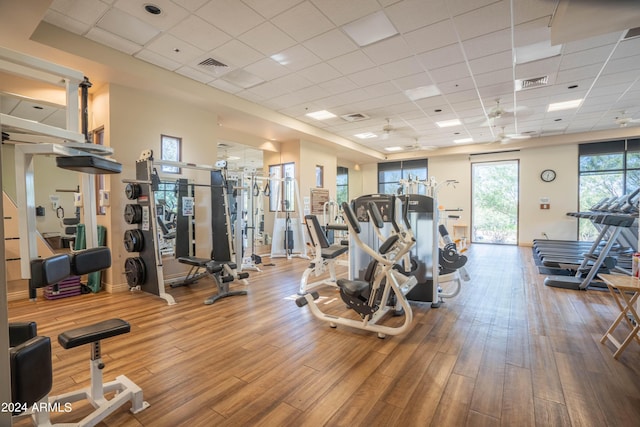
(494, 202)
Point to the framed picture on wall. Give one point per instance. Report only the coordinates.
(170, 149)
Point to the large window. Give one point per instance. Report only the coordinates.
(342, 185)
(607, 169)
(392, 174)
(282, 192)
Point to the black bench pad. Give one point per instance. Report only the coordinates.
(333, 251)
(92, 333)
(352, 287)
(191, 260)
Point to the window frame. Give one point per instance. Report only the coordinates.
(165, 154)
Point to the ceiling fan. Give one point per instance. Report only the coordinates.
(498, 112)
(506, 138)
(388, 129)
(623, 120)
(416, 146)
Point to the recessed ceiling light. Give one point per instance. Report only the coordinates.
(448, 123)
(462, 140)
(370, 29)
(422, 92)
(365, 135)
(152, 9)
(566, 105)
(393, 148)
(321, 115)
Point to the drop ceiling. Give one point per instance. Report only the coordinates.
(393, 70)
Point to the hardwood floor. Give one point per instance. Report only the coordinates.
(506, 351)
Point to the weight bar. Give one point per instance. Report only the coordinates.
(133, 214)
(135, 271)
(132, 191)
(133, 240)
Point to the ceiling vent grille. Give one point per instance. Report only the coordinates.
(355, 117)
(633, 32)
(532, 83)
(210, 62)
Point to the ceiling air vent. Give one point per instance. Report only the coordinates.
(210, 62)
(355, 117)
(532, 83)
(633, 32)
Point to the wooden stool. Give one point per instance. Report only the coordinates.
(625, 291)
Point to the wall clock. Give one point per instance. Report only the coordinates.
(548, 175)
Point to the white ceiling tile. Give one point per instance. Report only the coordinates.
(571, 75)
(486, 20)
(461, 96)
(200, 33)
(236, 54)
(170, 16)
(157, 59)
(292, 82)
(339, 85)
(623, 64)
(319, 73)
(194, 74)
(527, 11)
(287, 100)
(269, 90)
(174, 48)
(450, 73)
(532, 32)
(401, 68)
(192, 5)
(58, 119)
(271, 8)
(413, 81)
(591, 42)
(106, 38)
(267, 38)
(62, 21)
(311, 93)
(351, 62)
(128, 27)
(494, 77)
(330, 44)
(627, 48)
(296, 58)
(458, 7)
(368, 77)
(26, 109)
(492, 62)
(441, 57)
(500, 90)
(487, 44)
(242, 78)
(231, 16)
(225, 86)
(267, 69)
(341, 12)
(409, 15)
(249, 95)
(85, 11)
(458, 85)
(303, 22)
(379, 89)
(431, 37)
(582, 58)
(388, 50)
(628, 77)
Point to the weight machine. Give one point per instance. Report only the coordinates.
(288, 238)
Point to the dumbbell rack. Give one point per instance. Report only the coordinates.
(144, 271)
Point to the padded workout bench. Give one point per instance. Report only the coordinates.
(222, 273)
(31, 366)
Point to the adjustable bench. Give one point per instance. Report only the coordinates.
(222, 273)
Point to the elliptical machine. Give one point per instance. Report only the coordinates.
(384, 288)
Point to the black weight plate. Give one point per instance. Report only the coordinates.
(132, 191)
(135, 271)
(133, 240)
(133, 214)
